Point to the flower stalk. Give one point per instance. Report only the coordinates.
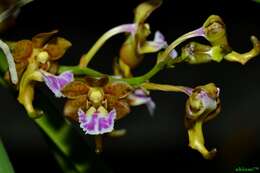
(125, 28)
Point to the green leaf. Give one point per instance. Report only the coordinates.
(3, 62)
(5, 164)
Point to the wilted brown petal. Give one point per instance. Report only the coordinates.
(75, 89)
(40, 39)
(22, 50)
(72, 106)
(118, 89)
(57, 47)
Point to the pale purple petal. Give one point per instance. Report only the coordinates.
(130, 28)
(159, 38)
(159, 41)
(140, 97)
(151, 106)
(57, 83)
(173, 54)
(155, 45)
(96, 123)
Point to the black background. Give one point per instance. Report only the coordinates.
(159, 143)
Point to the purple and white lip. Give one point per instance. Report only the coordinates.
(208, 102)
(97, 123)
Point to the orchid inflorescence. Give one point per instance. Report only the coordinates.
(95, 101)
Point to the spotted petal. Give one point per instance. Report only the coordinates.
(57, 83)
(97, 123)
(140, 97)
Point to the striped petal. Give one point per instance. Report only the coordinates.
(57, 83)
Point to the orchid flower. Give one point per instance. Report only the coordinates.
(214, 31)
(32, 58)
(131, 52)
(202, 106)
(94, 103)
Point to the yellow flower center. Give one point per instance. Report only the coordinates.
(42, 57)
(96, 95)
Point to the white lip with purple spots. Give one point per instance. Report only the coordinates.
(97, 123)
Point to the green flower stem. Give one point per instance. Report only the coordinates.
(80, 71)
(141, 79)
(68, 143)
(168, 50)
(59, 136)
(85, 59)
(168, 88)
(64, 164)
(5, 164)
(66, 140)
(132, 81)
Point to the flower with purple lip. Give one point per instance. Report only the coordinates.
(32, 59)
(136, 45)
(94, 103)
(203, 105)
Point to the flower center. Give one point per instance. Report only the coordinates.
(42, 57)
(95, 96)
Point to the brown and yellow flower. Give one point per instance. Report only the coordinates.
(32, 58)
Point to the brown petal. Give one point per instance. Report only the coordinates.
(75, 89)
(72, 106)
(122, 109)
(118, 89)
(22, 50)
(53, 69)
(41, 39)
(97, 82)
(121, 106)
(57, 47)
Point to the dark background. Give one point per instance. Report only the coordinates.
(159, 143)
